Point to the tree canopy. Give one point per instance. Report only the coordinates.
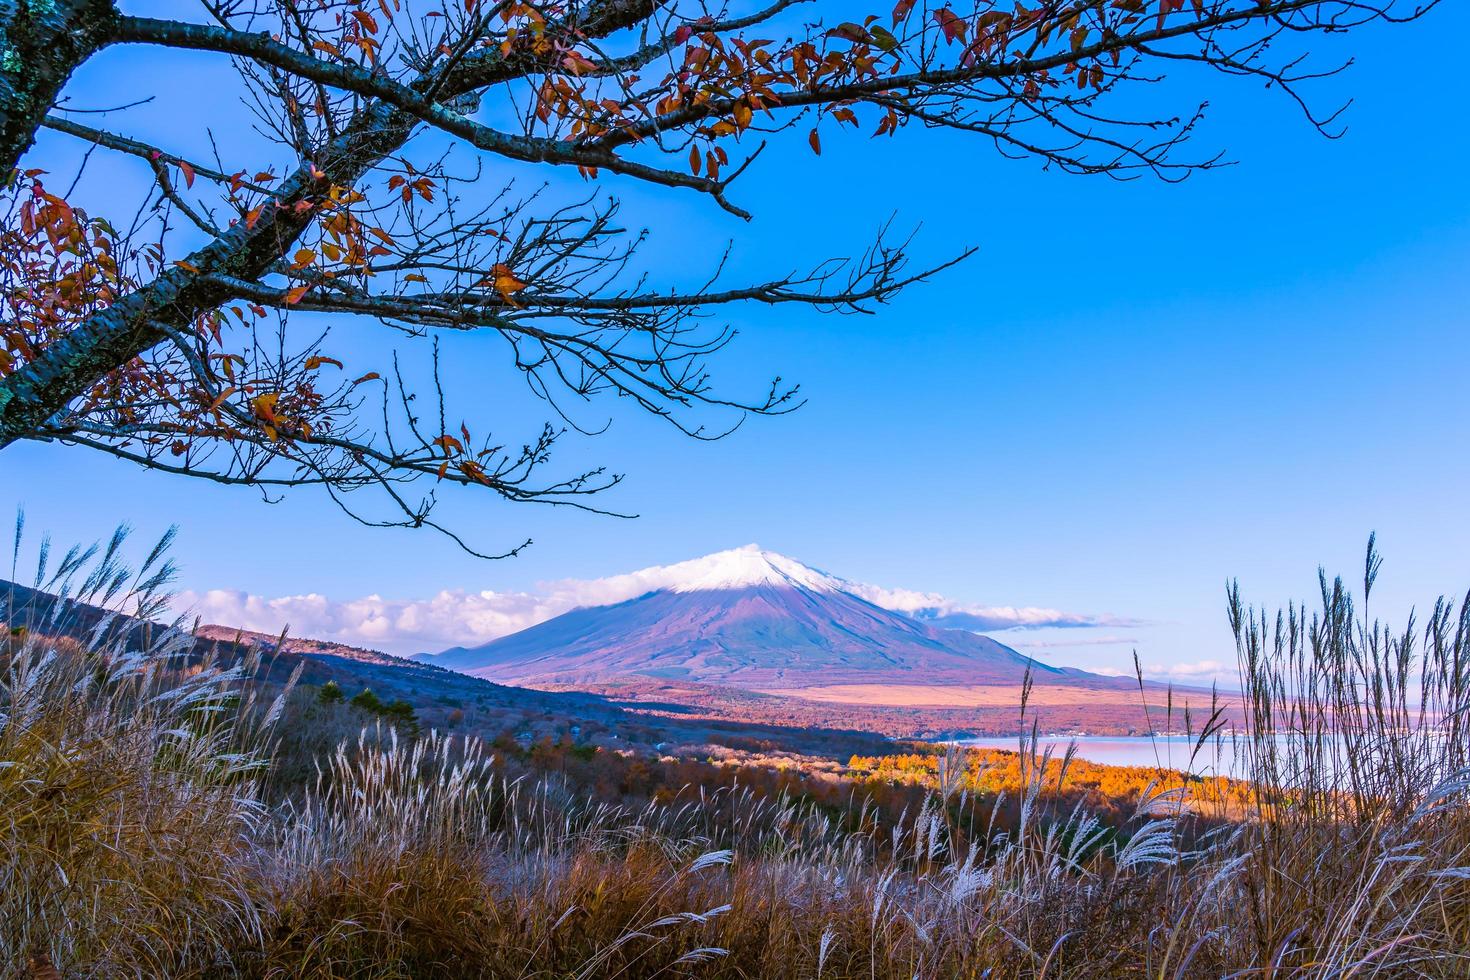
(170, 333)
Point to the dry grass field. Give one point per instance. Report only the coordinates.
(146, 832)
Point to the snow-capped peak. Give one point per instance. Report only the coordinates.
(743, 568)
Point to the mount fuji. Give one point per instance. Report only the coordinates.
(755, 620)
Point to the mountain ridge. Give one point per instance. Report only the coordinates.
(755, 620)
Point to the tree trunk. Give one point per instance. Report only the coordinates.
(36, 392)
(41, 43)
(66, 369)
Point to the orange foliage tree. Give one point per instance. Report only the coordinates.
(171, 343)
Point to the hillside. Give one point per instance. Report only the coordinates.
(299, 645)
(447, 699)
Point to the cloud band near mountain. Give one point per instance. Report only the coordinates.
(462, 618)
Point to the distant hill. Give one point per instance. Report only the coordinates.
(755, 620)
(486, 709)
(293, 644)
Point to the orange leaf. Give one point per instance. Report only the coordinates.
(264, 406)
(214, 405)
(506, 283)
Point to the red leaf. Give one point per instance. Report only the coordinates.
(952, 26)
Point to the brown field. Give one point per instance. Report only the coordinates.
(912, 711)
(966, 696)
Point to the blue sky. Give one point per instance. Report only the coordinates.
(1131, 393)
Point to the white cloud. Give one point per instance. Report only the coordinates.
(1194, 673)
(1106, 640)
(448, 618)
(940, 611)
(462, 618)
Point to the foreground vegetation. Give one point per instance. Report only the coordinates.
(158, 818)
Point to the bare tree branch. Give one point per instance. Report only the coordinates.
(196, 338)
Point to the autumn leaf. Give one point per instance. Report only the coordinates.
(295, 294)
(884, 39)
(264, 405)
(952, 26)
(188, 172)
(220, 399)
(474, 471)
(816, 142)
(505, 282)
(849, 32)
